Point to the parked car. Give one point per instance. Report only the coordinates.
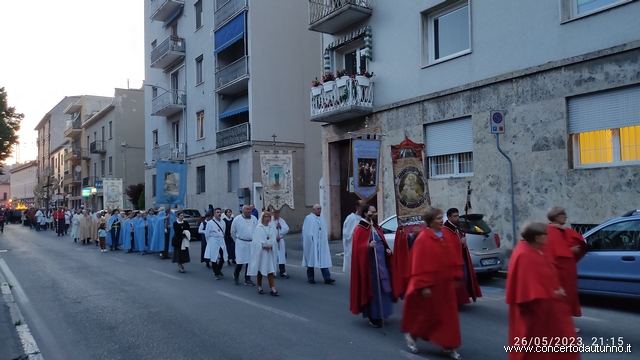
(612, 265)
(193, 218)
(486, 255)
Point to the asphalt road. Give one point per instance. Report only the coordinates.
(82, 304)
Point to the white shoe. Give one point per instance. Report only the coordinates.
(453, 354)
(577, 330)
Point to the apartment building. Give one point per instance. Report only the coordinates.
(23, 179)
(565, 73)
(223, 77)
(106, 141)
(5, 189)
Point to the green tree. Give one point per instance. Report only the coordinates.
(9, 126)
(134, 192)
(141, 201)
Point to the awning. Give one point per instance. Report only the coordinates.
(237, 106)
(230, 33)
(172, 17)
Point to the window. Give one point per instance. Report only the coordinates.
(446, 33)
(88, 140)
(176, 132)
(233, 179)
(154, 43)
(102, 134)
(154, 92)
(102, 167)
(199, 77)
(200, 180)
(572, 9)
(200, 125)
(355, 61)
(153, 185)
(605, 128)
(110, 165)
(624, 235)
(449, 147)
(198, 8)
(154, 137)
(174, 28)
(110, 130)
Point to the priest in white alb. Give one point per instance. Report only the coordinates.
(242, 229)
(281, 229)
(348, 228)
(315, 246)
(214, 233)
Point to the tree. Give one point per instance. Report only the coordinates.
(47, 186)
(141, 203)
(134, 192)
(9, 126)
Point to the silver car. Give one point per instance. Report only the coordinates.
(486, 255)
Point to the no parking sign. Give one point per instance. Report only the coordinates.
(497, 121)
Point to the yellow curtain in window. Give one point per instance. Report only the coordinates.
(596, 147)
(630, 143)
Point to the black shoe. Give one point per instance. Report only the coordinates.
(284, 275)
(129, 251)
(208, 266)
(330, 281)
(312, 281)
(249, 283)
(236, 281)
(217, 277)
(376, 323)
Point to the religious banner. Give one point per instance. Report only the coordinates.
(113, 194)
(410, 184)
(171, 182)
(277, 179)
(366, 158)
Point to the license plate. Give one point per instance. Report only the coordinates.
(487, 262)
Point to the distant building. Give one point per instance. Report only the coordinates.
(23, 180)
(5, 189)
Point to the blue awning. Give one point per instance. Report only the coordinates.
(172, 17)
(237, 106)
(230, 33)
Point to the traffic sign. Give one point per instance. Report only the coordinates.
(497, 121)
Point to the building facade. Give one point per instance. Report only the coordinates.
(5, 189)
(106, 140)
(23, 181)
(563, 71)
(222, 78)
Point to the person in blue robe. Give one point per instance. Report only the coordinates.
(151, 219)
(114, 227)
(161, 233)
(125, 234)
(140, 233)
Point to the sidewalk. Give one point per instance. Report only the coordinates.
(9, 339)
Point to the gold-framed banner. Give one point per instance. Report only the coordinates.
(277, 178)
(410, 184)
(366, 161)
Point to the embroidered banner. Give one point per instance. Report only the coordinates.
(366, 158)
(277, 179)
(171, 183)
(410, 184)
(113, 194)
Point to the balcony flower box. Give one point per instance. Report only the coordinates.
(316, 90)
(328, 85)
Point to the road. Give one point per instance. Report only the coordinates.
(83, 304)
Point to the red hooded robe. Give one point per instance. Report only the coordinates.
(471, 290)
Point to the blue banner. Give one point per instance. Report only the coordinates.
(171, 183)
(366, 162)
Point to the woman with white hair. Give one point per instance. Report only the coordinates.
(263, 257)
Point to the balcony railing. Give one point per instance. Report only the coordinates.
(331, 16)
(98, 147)
(234, 135)
(169, 151)
(227, 11)
(75, 154)
(168, 103)
(72, 178)
(73, 128)
(161, 10)
(227, 78)
(346, 99)
(168, 52)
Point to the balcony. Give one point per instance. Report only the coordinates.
(234, 135)
(73, 129)
(228, 11)
(98, 147)
(161, 10)
(171, 50)
(233, 79)
(168, 103)
(73, 154)
(331, 16)
(72, 178)
(170, 151)
(89, 181)
(342, 102)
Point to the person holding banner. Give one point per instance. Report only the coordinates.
(348, 228)
(315, 246)
(281, 229)
(371, 290)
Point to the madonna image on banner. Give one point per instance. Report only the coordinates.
(367, 172)
(276, 177)
(171, 184)
(412, 195)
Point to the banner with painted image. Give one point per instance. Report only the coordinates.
(410, 184)
(113, 194)
(366, 160)
(171, 183)
(277, 179)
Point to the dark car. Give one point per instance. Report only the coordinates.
(193, 218)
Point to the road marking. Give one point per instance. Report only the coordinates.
(590, 318)
(275, 311)
(115, 258)
(4, 250)
(163, 274)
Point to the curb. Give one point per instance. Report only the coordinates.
(502, 274)
(28, 342)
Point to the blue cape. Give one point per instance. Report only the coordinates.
(138, 226)
(157, 241)
(109, 223)
(125, 235)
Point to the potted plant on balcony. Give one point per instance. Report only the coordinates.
(316, 88)
(342, 78)
(364, 78)
(328, 81)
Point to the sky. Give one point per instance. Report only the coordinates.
(53, 49)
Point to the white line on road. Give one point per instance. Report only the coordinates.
(590, 318)
(4, 250)
(163, 274)
(115, 258)
(275, 311)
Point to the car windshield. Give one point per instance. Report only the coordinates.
(189, 213)
(390, 226)
(474, 224)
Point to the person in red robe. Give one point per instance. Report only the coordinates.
(371, 291)
(470, 287)
(536, 309)
(565, 248)
(430, 307)
(401, 259)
